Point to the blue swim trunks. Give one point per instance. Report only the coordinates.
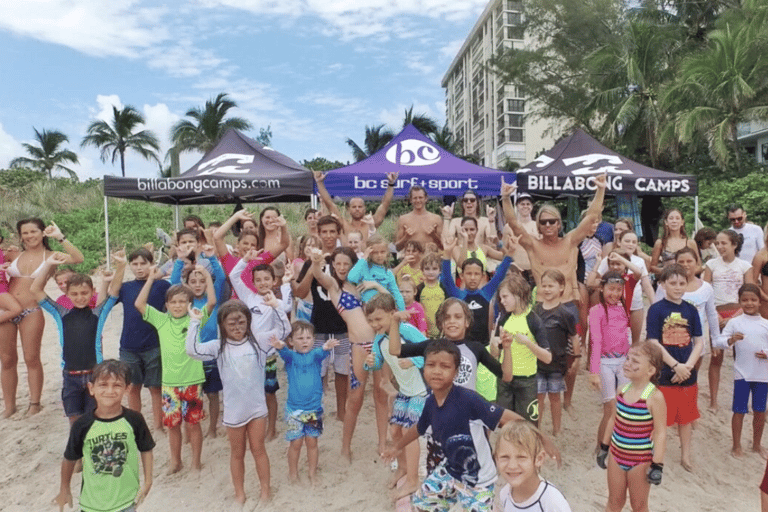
(303, 424)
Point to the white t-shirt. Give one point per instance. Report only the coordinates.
(546, 499)
(753, 240)
(637, 295)
(727, 278)
(755, 330)
(704, 300)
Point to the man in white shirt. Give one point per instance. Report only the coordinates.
(753, 235)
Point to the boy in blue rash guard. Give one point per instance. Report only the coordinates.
(198, 284)
(304, 407)
(373, 275)
(479, 299)
(459, 420)
(139, 344)
(80, 330)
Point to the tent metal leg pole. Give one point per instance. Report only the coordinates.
(176, 216)
(106, 229)
(695, 210)
(313, 201)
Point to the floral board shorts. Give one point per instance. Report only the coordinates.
(303, 424)
(182, 403)
(440, 491)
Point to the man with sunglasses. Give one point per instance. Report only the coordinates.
(552, 250)
(753, 235)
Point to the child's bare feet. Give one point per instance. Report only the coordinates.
(211, 433)
(293, 477)
(736, 451)
(688, 466)
(760, 451)
(271, 436)
(175, 467)
(34, 409)
(406, 489)
(347, 454)
(340, 417)
(312, 480)
(400, 473)
(8, 412)
(265, 496)
(159, 429)
(197, 466)
(713, 406)
(240, 498)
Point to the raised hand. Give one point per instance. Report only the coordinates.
(243, 214)
(448, 211)
(392, 177)
(53, 231)
(57, 258)
(119, 257)
(602, 180)
(271, 301)
(107, 276)
(400, 316)
(288, 275)
(369, 221)
(183, 252)
(330, 344)
(409, 230)
(209, 250)
(194, 313)
(252, 254)
(507, 189)
(490, 212)
(316, 255)
(276, 342)
(280, 222)
(318, 175)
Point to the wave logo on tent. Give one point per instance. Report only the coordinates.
(413, 152)
(593, 158)
(213, 166)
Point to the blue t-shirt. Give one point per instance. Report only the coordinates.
(209, 331)
(305, 384)
(459, 427)
(138, 335)
(675, 326)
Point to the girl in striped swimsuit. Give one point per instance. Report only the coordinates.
(636, 432)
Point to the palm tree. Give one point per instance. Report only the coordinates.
(446, 140)
(119, 135)
(630, 72)
(207, 126)
(376, 137)
(720, 88)
(422, 122)
(46, 156)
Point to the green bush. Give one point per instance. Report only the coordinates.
(15, 179)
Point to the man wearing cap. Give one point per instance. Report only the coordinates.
(753, 235)
(359, 221)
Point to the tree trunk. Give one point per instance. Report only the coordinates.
(122, 162)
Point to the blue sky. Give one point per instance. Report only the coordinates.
(316, 71)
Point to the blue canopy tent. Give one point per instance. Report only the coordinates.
(419, 161)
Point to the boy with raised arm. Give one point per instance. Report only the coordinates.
(80, 330)
(182, 376)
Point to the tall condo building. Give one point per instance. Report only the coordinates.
(485, 115)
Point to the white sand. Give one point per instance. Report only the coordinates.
(33, 447)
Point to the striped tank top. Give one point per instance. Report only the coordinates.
(631, 442)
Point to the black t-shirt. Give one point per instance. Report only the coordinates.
(558, 325)
(325, 318)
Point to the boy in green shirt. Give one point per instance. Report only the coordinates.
(108, 440)
(182, 375)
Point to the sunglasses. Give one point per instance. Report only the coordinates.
(735, 219)
(469, 200)
(548, 222)
(613, 280)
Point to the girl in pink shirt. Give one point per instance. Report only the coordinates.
(418, 318)
(610, 334)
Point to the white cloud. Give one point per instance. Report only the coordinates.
(450, 50)
(362, 18)
(160, 120)
(182, 59)
(338, 104)
(102, 28)
(10, 148)
(106, 104)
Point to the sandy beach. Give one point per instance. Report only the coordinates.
(33, 447)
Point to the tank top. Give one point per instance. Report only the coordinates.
(631, 442)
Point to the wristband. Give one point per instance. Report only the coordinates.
(391, 184)
(604, 446)
(675, 366)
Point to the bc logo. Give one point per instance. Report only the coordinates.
(413, 152)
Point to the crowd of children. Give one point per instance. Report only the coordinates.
(459, 342)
